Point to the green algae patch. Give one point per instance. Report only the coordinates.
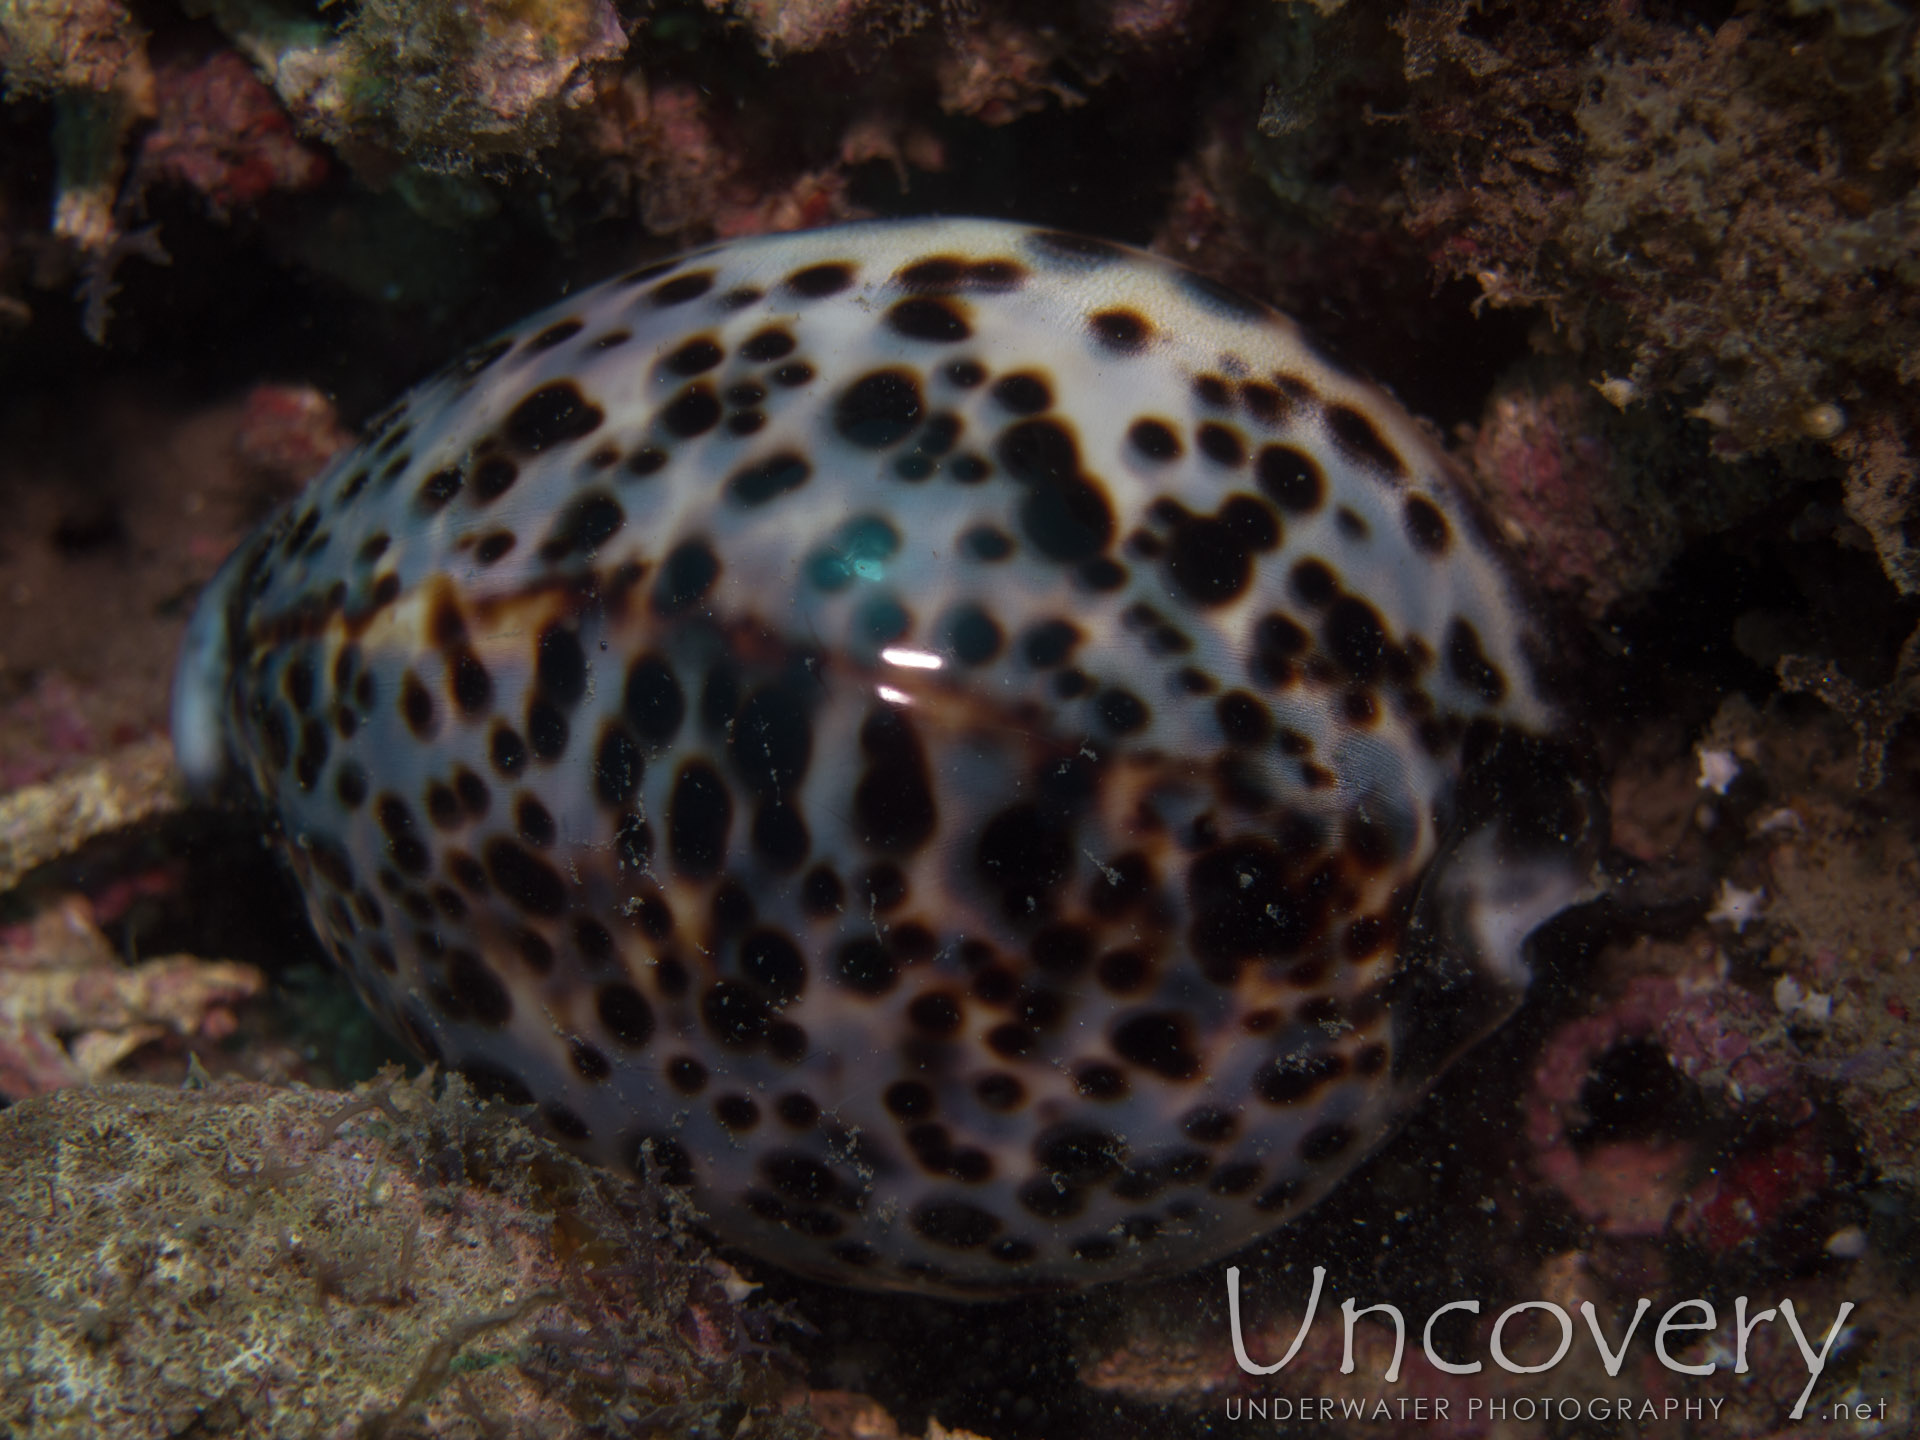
(248, 1261)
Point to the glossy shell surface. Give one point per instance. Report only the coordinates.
(937, 734)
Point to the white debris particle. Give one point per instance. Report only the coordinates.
(1791, 998)
(1736, 907)
(1110, 873)
(1618, 391)
(1849, 1242)
(1717, 770)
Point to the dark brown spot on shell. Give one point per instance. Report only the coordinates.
(475, 361)
(588, 1061)
(1467, 662)
(554, 414)
(694, 411)
(893, 803)
(1209, 558)
(797, 1111)
(1325, 1142)
(908, 1099)
(1101, 1082)
(955, 1224)
(681, 289)
(1243, 719)
(934, 1014)
(1291, 478)
(699, 817)
(494, 547)
(1023, 392)
(1221, 444)
(477, 991)
(553, 335)
(687, 1075)
(1355, 433)
(879, 410)
(625, 1014)
(766, 479)
(1127, 331)
(1155, 440)
(1062, 249)
(738, 1113)
(974, 636)
(587, 522)
(735, 1016)
(1159, 1041)
(1221, 300)
(493, 477)
(1313, 582)
(1079, 1154)
(436, 490)
(1263, 401)
(524, 879)
(1355, 637)
(929, 318)
(695, 357)
(864, 966)
(534, 822)
(1427, 528)
(1065, 515)
(816, 282)
(1210, 1126)
(763, 347)
(987, 542)
(1000, 1092)
(1293, 1079)
(1123, 712)
(940, 274)
(416, 706)
(1278, 642)
(687, 574)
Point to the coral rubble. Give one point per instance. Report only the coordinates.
(1717, 209)
(219, 131)
(90, 60)
(70, 1011)
(444, 86)
(42, 822)
(247, 1261)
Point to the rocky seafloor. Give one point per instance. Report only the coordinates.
(1652, 270)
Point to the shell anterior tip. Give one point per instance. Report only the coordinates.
(200, 679)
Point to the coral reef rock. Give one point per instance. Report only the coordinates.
(244, 1261)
